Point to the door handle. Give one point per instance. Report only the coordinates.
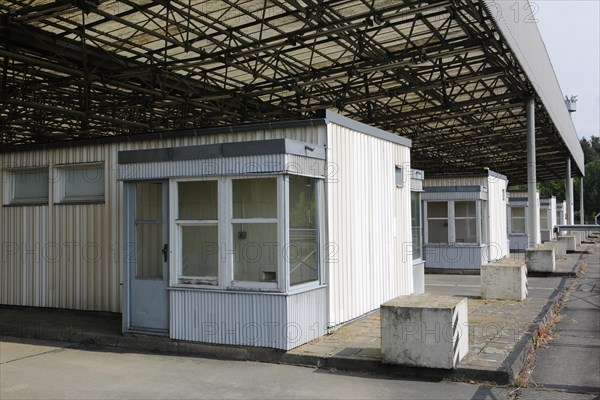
(165, 251)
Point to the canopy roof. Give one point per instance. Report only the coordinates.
(451, 75)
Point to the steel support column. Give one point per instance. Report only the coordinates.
(581, 212)
(533, 209)
(569, 194)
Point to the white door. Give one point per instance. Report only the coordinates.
(148, 273)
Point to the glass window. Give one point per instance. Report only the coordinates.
(148, 225)
(30, 186)
(303, 246)
(198, 200)
(255, 252)
(148, 201)
(200, 251)
(82, 183)
(517, 219)
(437, 222)
(415, 201)
(255, 243)
(198, 215)
(255, 198)
(465, 222)
(543, 218)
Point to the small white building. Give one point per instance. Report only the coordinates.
(465, 220)
(547, 218)
(561, 215)
(518, 227)
(260, 235)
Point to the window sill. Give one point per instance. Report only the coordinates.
(237, 290)
(26, 203)
(78, 201)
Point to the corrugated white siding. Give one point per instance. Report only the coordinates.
(70, 256)
(369, 226)
(497, 219)
(454, 256)
(456, 181)
(306, 317)
(247, 319)
(65, 256)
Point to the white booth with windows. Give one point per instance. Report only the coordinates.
(259, 235)
(518, 228)
(464, 220)
(548, 218)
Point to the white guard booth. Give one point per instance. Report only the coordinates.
(259, 235)
(518, 228)
(561, 215)
(465, 220)
(547, 218)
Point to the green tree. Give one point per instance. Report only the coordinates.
(591, 191)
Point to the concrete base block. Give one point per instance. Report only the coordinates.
(424, 330)
(560, 248)
(540, 260)
(569, 241)
(577, 236)
(504, 281)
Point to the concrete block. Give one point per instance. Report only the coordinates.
(577, 236)
(569, 241)
(560, 247)
(504, 281)
(424, 330)
(540, 259)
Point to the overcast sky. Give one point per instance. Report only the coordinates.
(570, 29)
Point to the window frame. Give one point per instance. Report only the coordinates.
(318, 228)
(546, 211)
(225, 224)
(60, 188)
(451, 227)
(420, 224)
(278, 285)
(177, 224)
(524, 218)
(10, 187)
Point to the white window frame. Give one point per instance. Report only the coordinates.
(477, 218)
(547, 211)
(10, 187)
(176, 225)
(279, 284)
(426, 219)
(524, 220)
(61, 172)
(289, 288)
(225, 233)
(421, 228)
(452, 223)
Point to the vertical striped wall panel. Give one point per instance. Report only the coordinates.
(306, 317)
(250, 319)
(454, 256)
(497, 219)
(63, 256)
(71, 256)
(368, 223)
(247, 319)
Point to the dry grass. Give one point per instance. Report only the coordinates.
(542, 336)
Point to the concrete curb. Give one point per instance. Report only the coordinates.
(157, 344)
(515, 360)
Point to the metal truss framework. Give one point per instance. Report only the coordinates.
(437, 72)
